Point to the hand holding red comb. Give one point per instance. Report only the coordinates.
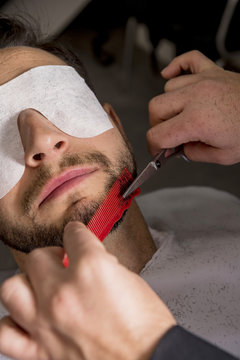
(95, 309)
(111, 209)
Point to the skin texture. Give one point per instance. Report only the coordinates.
(200, 109)
(110, 312)
(45, 147)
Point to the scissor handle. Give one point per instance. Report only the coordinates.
(160, 158)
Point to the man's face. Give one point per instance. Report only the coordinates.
(65, 178)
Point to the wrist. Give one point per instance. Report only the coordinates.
(147, 345)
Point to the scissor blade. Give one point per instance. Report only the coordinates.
(149, 171)
(152, 167)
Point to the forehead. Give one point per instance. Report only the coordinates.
(16, 60)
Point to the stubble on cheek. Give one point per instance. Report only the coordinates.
(34, 189)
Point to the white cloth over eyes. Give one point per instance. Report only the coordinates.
(60, 94)
(196, 268)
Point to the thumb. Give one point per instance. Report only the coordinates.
(192, 61)
(79, 241)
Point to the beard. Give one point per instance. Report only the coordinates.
(25, 238)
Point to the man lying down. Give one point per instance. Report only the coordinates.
(60, 154)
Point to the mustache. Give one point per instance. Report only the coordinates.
(45, 173)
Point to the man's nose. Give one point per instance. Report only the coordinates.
(42, 141)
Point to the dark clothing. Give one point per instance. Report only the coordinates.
(179, 344)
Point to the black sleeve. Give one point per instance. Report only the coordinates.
(179, 344)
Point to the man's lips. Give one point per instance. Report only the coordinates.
(64, 182)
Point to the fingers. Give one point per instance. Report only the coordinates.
(171, 133)
(42, 265)
(80, 242)
(181, 81)
(166, 106)
(44, 259)
(17, 297)
(16, 343)
(192, 61)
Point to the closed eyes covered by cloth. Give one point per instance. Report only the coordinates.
(61, 95)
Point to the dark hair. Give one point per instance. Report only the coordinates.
(20, 32)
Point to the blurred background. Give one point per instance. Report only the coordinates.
(125, 44)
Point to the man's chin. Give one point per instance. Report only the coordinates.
(115, 226)
(26, 238)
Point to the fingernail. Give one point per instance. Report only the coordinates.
(73, 224)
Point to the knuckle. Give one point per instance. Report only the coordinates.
(154, 138)
(69, 297)
(158, 108)
(207, 86)
(202, 86)
(8, 289)
(154, 102)
(169, 85)
(195, 53)
(93, 266)
(88, 265)
(60, 301)
(150, 135)
(151, 105)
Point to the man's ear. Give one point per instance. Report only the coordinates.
(110, 111)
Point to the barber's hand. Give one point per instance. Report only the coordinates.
(94, 309)
(200, 110)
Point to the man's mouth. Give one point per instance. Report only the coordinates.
(66, 181)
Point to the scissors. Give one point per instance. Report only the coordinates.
(152, 167)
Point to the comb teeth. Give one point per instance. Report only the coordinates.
(113, 206)
(111, 209)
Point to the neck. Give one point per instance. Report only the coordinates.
(132, 242)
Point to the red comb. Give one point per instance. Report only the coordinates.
(111, 209)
